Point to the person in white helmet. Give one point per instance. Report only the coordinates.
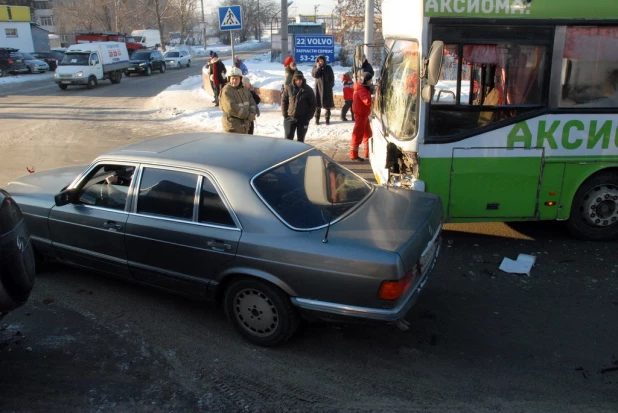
(239, 108)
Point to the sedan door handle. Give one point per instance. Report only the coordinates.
(218, 245)
(113, 225)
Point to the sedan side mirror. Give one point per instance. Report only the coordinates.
(66, 197)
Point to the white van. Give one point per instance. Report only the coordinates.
(149, 38)
(87, 63)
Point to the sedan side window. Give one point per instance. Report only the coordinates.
(107, 186)
(167, 193)
(212, 209)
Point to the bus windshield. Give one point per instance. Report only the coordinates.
(399, 89)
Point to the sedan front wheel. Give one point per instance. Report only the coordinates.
(260, 312)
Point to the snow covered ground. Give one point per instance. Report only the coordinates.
(188, 103)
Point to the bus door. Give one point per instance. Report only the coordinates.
(495, 182)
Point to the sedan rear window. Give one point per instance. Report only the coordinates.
(309, 191)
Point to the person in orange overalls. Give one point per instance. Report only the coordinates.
(361, 107)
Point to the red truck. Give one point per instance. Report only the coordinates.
(85, 36)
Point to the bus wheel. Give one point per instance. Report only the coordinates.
(594, 213)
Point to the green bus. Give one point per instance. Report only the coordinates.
(507, 109)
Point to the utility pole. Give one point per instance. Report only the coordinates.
(369, 7)
(284, 30)
(203, 25)
(259, 24)
(315, 13)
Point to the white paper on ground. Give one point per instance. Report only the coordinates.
(522, 265)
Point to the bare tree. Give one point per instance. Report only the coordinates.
(352, 16)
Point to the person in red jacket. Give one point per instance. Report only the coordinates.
(361, 107)
(348, 96)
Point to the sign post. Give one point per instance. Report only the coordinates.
(307, 47)
(230, 18)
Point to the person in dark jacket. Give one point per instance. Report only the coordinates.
(217, 73)
(361, 106)
(297, 107)
(366, 66)
(324, 83)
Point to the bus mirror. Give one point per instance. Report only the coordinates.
(427, 93)
(436, 54)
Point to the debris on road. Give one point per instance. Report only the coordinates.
(522, 265)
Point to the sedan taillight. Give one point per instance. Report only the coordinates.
(393, 290)
(10, 60)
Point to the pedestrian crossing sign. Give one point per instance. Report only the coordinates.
(230, 18)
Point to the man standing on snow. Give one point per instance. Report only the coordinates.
(297, 107)
(217, 75)
(361, 106)
(237, 104)
(324, 83)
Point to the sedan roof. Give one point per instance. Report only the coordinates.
(246, 154)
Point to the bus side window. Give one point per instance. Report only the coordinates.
(590, 68)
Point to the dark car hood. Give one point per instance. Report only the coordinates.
(399, 220)
(137, 62)
(44, 185)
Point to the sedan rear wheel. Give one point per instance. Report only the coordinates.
(260, 312)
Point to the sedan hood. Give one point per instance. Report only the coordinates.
(398, 220)
(137, 62)
(36, 61)
(44, 185)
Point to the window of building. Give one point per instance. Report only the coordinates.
(590, 67)
(47, 20)
(167, 193)
(10, 32)
(42, 5)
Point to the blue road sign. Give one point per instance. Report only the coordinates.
(230, 18)
(307, 47)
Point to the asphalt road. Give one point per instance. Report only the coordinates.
(479, 340)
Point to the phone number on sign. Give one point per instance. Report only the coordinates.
(311, 57)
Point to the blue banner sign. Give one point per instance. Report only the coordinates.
(307, 47)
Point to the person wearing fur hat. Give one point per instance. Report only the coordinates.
(297, 107)
(366, 66)
(324, 83)
(217, 73)
(361, 106)
(348, 95)
(237, 104)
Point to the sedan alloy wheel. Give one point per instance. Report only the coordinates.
(261, 312)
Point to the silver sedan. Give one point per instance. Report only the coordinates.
(177, 59)
(271, 229)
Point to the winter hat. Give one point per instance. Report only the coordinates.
(367, 77)
(287, 61)
(234, 72)
(214, 54)
(347, 76)
(298, 73)
(211, 53)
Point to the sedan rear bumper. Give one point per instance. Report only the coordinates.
(378, 314)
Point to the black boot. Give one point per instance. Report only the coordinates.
(327, 116)
(317, 116)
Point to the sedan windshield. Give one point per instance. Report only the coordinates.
(172, 54)
(310, 190)
(140, 56)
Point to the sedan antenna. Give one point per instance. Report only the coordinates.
(330, 217)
